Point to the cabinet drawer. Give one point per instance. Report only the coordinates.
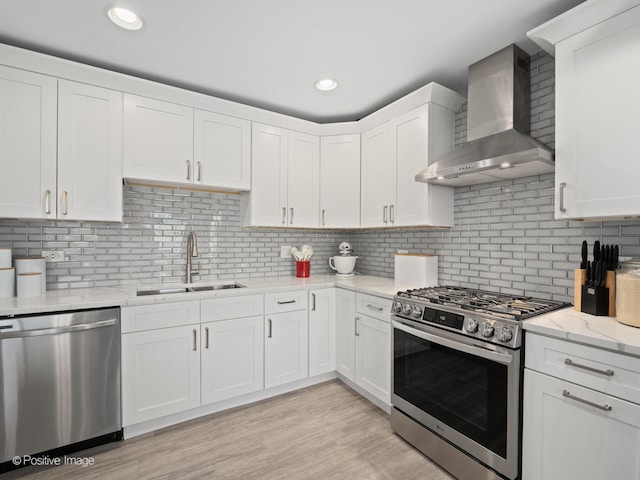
(285, 302)
(232, 307)
(373, 306)
(603, 370)
(162, 315)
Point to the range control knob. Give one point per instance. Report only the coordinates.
(505, 334)
(416, 312)
(397, 307)
(406, 309)
(472, 325)
(487, 330)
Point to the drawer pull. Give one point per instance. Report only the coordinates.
(374, 308)
(286, 302)
(313, 296)
(606, 407)
(607, 372)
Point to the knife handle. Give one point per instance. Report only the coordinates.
(584, 252)
(596, 251)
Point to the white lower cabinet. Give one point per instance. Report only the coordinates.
(286, 348)
(574, 427)
(322, 331)
(232, 358)
(160, 360)
(364, 342)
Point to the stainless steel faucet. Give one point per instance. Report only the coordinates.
(192, 251)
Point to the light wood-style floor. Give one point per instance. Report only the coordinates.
(322, 432)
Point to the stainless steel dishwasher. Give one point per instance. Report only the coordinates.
(59, 380)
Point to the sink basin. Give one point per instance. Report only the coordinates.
(197, 288)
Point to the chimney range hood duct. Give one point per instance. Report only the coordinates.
(497, 117)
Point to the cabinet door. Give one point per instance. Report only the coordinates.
(286, 348)
(268, 176)
(158, 140)
(232, 358)
(322, 331)
(303, 180)
(596, 120)
(222, 151)
(345, 333)
(373, 356)
(160, 373)
(89, 152)
(340, 181)
(566, 439)
(378, 178)
(27, 144)
(417, 135)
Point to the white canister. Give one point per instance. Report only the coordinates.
(5, 257)
(29, 284)
(7, 282)
(32, 265)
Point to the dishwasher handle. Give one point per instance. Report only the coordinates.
(57, 330)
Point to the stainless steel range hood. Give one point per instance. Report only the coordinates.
(498, 145)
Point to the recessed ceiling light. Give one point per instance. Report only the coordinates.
(326, 84)
(125, 18)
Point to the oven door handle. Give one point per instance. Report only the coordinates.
(503, 358)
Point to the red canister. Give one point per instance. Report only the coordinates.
(303, 268)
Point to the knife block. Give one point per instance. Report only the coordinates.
(611, 285)
(580, 276)
(595, 300)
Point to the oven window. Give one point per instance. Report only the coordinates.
(466, 392)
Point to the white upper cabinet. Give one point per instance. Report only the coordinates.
(285, 178)
(394, 151)
(222, 150)
(158, 140)
(378, 177)
(89, 152)
(595, 45)
(340, 181)
(27, 144)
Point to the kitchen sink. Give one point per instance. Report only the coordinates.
(198, 288)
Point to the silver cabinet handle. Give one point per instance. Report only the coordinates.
(373, 307)
(384, 214)
(606, 407)
(286, 302)
(608, 372)
(270, 328)
(195, 340)
(323, 217)
(313, 302)
(291, 220)
(391, 215)
(199, 171)
(64, 202)
(188, 170)
(284, 215)
(357, 333)
(47, 202)
(562, 187)
(206, 337)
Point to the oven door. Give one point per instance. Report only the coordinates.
(462, 391)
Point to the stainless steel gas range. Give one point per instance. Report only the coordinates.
(456, 377)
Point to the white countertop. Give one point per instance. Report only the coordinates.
(603, 332)
(98, 297)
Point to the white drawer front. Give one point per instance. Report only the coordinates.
(603, 370)
(161, 315)
(232, 307)
(285, 302)
(373, 306)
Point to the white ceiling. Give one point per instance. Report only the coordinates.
(269, 53)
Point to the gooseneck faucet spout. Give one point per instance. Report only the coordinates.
(192, 251)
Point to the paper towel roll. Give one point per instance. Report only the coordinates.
(33, 265)
(5, 257)
(7, 282)
(29, 284)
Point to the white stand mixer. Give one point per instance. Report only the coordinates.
(345, 262)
